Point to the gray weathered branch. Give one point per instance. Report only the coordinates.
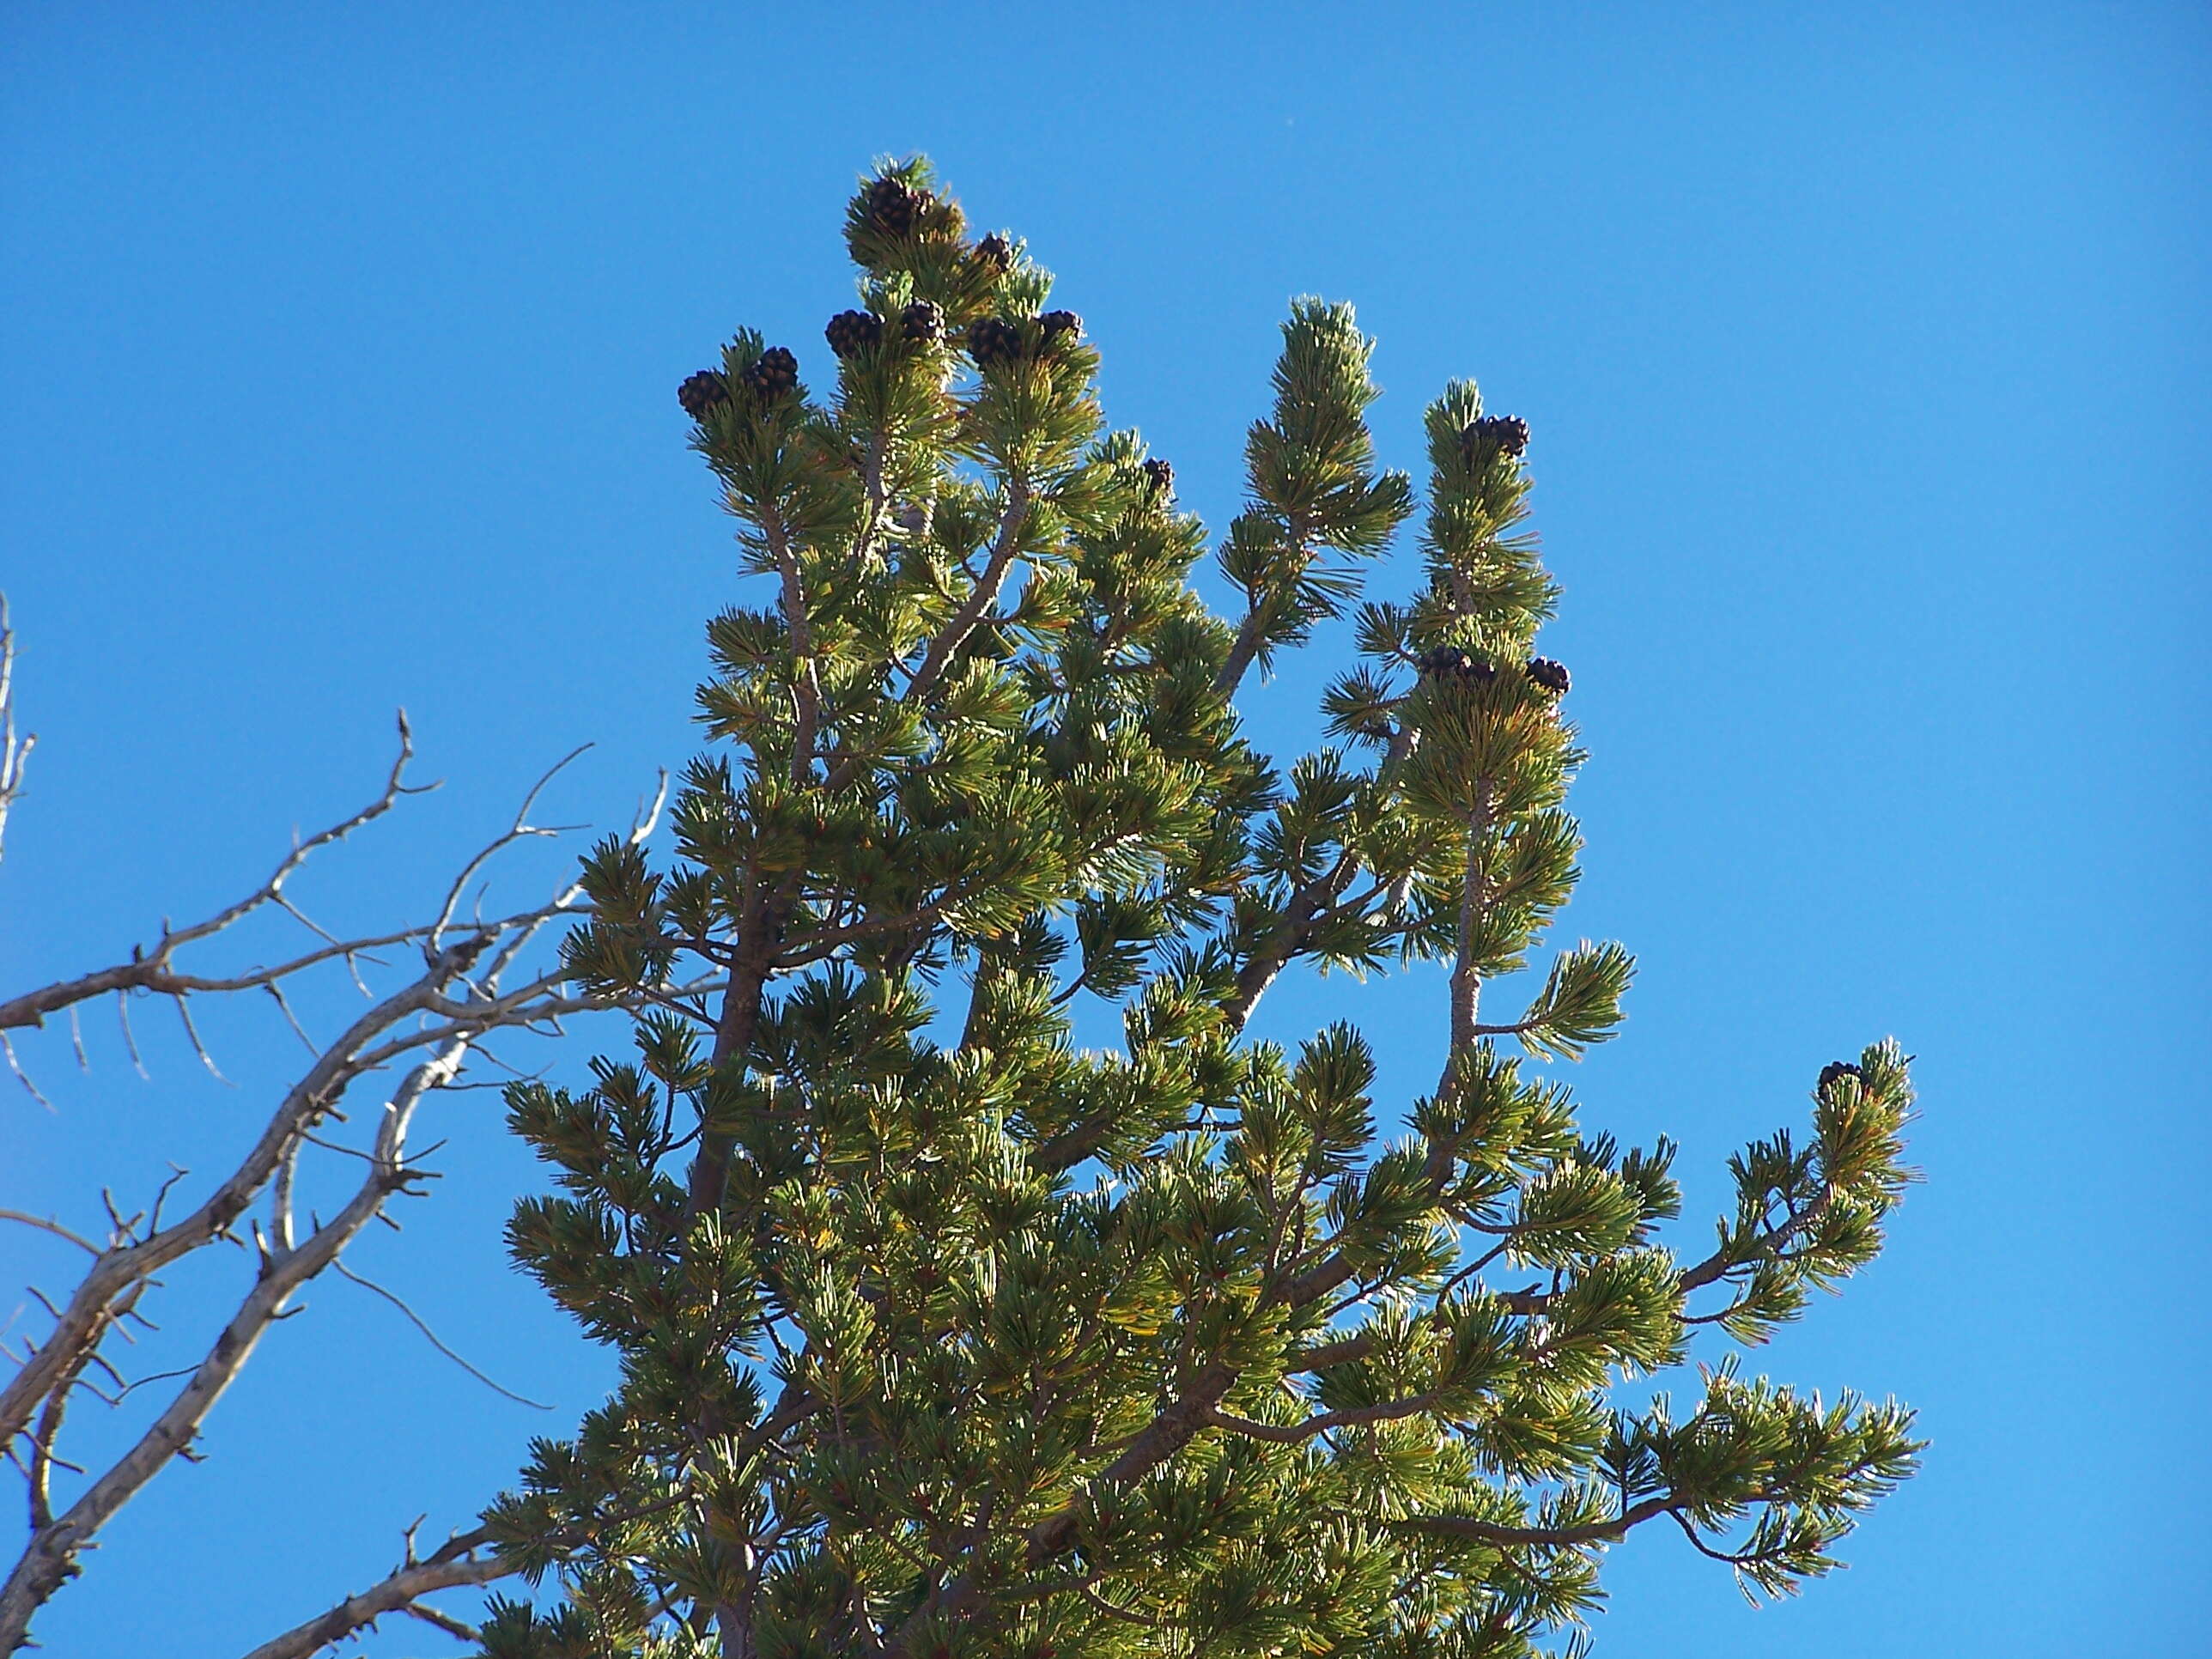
(433, 1022)
(467, 1559)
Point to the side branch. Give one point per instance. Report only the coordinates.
(1293, 1434)
(467, 1559)
(1305, 908)
(955, 632)
(1593, 1532)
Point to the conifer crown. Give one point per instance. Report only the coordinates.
(942, 1335)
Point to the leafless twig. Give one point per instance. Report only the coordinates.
(47, 1224)
(431, 1336)
(8, 1048)
(14, 752)
(466, 1559)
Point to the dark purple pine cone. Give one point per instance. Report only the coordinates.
(702, 392)
(853, 330)
(1552, 676)
(994, 340)
(923, 322)
(1835, 1069)
(773, 373)
(995, 253)
(1057, 323)
(1495, 434)
(894, 205)
(1159, 479)
(1444, 660)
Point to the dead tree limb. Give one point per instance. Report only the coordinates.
(466, 1559)
(473, 977)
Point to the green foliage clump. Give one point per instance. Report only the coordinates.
(943, 1336)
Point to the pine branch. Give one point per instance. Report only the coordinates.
(941, 649)
(1593, 1532)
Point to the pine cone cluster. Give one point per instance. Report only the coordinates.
(922, 322)
(1159, 479)
(995, 253)
(894, 205)
(994, 340)
(775, 372)
(1552, 676)
(1494, 434)
(1835, 1070)
(1057, 323)
(853, 330)
(702, 392)
(1449, 662)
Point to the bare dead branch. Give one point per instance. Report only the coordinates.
(130, 1040)
(280, 1196)
(466, 1559)
(459, 1629)
(145, 967)
(162, 1195)
(50, 1557)
(148, 1381)
(154, 974)
(432, 1023)
(284, 1006)
(272, 890)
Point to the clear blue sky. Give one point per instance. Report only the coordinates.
(1866, 352)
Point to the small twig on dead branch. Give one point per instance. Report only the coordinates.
(14, 752)
(290, 1019)
(515, 831)
(22, 1076)
(158, 1376)
(161, 1196)
(185, 1013)
(130, 1039)
(45, 1223)
(462, 1560)
(446, 1622)
(431, 1336)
